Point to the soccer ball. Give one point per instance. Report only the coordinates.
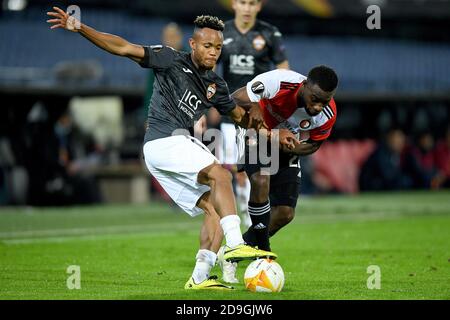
(264, 275)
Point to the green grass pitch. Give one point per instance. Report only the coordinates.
(147, 252)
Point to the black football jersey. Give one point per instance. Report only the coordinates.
(245, 56)
(181, 93)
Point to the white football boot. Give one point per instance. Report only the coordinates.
(228, 268)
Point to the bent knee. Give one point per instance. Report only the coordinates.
(287, 214)
(214, 173)
(220, 174)
(259, 181)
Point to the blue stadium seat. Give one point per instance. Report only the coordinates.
(378, 66)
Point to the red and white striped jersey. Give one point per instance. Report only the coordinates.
(276, 93)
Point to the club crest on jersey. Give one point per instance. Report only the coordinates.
(258, 87)
(305, 124)
(259, 43)
(211, 91)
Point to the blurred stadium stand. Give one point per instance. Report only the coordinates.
(396, 76)
(348, 157)
(37, 58)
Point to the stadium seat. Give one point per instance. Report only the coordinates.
(379, 66)
(340, 163)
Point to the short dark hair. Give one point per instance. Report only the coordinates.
(209, 22)
(324, 77)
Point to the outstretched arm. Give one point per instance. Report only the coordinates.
(304, 147)
(108, 42)
(254, 116)
(240, 117)
(287, 140)
(251, 114)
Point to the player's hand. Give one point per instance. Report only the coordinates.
(255, 118)
(63, 20)
(287, 139)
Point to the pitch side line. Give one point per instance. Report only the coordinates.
(74, 232)
(91, 237)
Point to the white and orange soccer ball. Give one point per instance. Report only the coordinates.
(264, 275)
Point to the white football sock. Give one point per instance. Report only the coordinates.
(205, 261)
(231, 226)
(243, 197)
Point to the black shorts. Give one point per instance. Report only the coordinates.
(285, 187)
(285, 184)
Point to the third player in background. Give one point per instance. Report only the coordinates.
(250, 47)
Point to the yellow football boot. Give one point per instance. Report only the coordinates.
(209, 284)
(246, 252)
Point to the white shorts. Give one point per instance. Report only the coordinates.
(175, 162)
(229, 154)
(240, 144)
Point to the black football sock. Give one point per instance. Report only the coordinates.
(249, 237)
(260, 215)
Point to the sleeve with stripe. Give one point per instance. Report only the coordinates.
(323, 132)
(264, 86)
